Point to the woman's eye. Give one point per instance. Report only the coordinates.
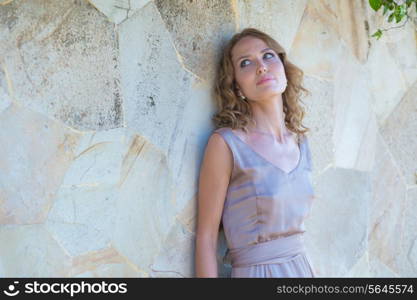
(244, 63)
(269, 55)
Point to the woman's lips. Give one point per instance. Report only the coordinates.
(264, 80)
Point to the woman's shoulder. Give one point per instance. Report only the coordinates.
(229, 130)
(229, 134)
(220, 137)
(218, 147)
(224, 139)
(222, 133)
(222, 130)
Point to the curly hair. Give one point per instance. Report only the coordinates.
(236, 113)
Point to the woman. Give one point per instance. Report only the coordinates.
(254, 179)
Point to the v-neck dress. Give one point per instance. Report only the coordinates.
(264, 212)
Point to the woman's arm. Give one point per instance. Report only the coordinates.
(213, 182)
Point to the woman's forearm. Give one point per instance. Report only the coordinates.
(205, 258)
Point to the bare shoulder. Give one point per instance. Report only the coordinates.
(218, 145)
(218, 153)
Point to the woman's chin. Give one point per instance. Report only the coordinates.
(270, 93)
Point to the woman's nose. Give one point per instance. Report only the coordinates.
(261, 68)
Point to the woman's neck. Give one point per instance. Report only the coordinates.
(268, 118)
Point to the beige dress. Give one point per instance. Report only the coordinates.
(264, 211)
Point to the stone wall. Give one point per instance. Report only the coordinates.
(105, 111)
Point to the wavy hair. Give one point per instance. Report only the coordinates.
(236, 113)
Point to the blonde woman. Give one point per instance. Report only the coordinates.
(254, 180)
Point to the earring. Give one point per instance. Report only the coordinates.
(240, 95)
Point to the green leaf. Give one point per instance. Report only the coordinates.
(408, 3)
(398, 13)
(377, 34)
(403, 10)
(397, 9)
(397, 18)
(375, 4)
(391, 17)
(385, 10)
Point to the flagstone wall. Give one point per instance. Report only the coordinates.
(105, 111)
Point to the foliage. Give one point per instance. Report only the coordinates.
(394, 11)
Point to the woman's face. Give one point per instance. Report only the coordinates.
(258, 71)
